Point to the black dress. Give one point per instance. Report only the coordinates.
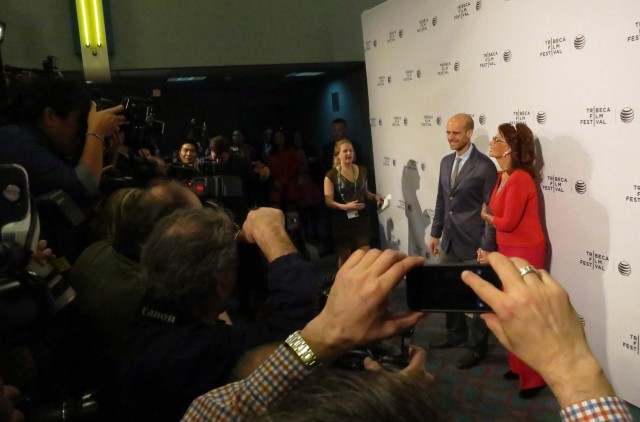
(349, 233)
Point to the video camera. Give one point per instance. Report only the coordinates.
(31, 291)
(140, 130)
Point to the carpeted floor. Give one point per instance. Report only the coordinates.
(476, 394)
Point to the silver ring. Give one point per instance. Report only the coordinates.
(527, 269)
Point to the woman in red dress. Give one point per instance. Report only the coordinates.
(514, 214)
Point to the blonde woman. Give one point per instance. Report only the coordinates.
(345, 192)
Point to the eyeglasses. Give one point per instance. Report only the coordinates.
(496, 140)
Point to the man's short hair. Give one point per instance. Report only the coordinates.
(467, 119)
(339, 120)
(333, 395)
(154, 203)
(220, 145)
(188, 253)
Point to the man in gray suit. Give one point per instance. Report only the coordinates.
(467, 178)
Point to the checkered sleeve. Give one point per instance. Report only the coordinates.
(602, 409)
(280, 373)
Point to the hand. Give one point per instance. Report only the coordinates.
(433, 246)
(42, 252)
(486, 216)
(418, 358)
(356, 311)
(354, 206)
(266, 227)
(105, 122)
(378, 198)
(535, 320)
(8, 397)
(483, 256)
(144, 153)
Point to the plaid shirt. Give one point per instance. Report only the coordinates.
(283, 371)
(602, 409)
(280, 373)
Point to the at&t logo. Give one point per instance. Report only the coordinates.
(595, 261)
(579, 42)
(624, 268)
(423, 166)
(541, 117)
(581, 187)
(439, 120)
(482, 119)
(456, 66)
(626, 115)
(419, 73)
(405, 121)
(479, 5)
(506, 56)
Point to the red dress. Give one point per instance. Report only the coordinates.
(519, 234)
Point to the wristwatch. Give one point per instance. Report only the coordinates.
(302, 349)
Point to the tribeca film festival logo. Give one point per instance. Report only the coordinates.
(429, 120)
(405, 206)
(595, 261)
(399, 121)
(444, 68)
(554, 184)
(596, 116)
(631, 343)
(489, 59)
(634, 197)
(463, 10)
(521, 116)
(408, 75)
(553, 46)
(373, 121)
(423, 24)
(635, 37)
(386, 161)
(384, 80)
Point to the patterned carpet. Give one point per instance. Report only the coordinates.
(477, 394)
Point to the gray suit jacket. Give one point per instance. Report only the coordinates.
(457, 216)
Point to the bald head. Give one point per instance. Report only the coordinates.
(465, 120)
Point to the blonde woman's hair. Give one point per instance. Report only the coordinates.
(336, 151)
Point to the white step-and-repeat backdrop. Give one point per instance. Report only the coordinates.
(570, 70)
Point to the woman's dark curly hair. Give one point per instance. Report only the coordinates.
(523, 149)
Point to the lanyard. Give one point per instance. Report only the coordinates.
(345, 190)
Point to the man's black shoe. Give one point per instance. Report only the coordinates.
(469, 360)
(444, 344)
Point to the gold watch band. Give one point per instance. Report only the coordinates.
(302, 349)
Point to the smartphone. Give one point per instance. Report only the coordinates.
(439, 288)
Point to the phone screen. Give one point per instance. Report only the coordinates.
(439, 288)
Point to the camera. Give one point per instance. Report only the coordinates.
(437, 287)
(30, 291)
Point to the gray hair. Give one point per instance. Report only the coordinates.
(188, 254)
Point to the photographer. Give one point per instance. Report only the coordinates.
(356, 313)
(57, 135)
(179, 349)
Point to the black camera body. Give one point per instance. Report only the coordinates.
(436, 286)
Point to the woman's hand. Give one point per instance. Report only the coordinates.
(485, 215)
(483, 256)
(354, 206)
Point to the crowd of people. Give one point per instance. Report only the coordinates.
(155, 324)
